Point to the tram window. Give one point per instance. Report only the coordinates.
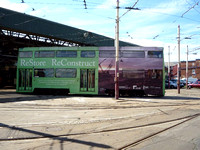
(44, 73)
(133, 54)
(133, 74)
(106, 54)
(88, 54)
(25, 54)
(66, 73)
(155, 54)
(66, 54)
(155, 74)
(44, 54)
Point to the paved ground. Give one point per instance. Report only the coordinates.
(81, 122)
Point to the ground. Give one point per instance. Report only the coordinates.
(50, 122)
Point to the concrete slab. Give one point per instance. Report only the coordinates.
(85, 122)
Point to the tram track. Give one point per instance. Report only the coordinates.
(130, 145)
(85, 107)
(40, 135)
(96, 123)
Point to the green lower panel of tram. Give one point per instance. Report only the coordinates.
(86, 82)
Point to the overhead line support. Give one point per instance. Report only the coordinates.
(117, 54)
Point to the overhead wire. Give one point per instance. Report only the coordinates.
(63, 3)
(189, 9)
(194, 8)
(94, 3)
(177, 16)
(195, 49)
(130, 8)
(182, 16)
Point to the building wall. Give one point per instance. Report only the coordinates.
(193, 69)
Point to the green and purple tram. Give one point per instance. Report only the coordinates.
(91, 70)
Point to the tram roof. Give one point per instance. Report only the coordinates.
(23, 23)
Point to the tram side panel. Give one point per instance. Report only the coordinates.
(106, 76)
(131, 76)
(137, 76)
(79, 75)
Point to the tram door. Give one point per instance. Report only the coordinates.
(87, 82)
(25, 79)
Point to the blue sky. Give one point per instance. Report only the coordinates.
(155, 24)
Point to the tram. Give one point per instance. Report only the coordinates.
(91, 70)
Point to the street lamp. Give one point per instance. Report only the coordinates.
(187, 38)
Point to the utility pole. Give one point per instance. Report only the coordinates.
(169, 76)
(178, 68)
(117, 54)
(187, 69)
